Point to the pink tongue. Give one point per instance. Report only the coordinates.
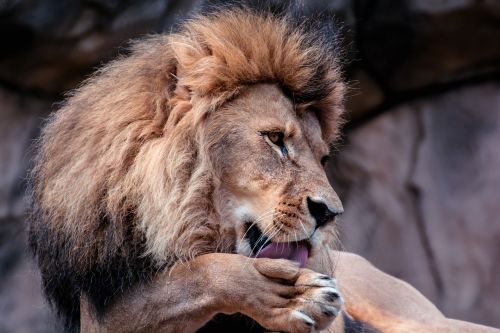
(292, 251)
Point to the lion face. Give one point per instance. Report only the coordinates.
(271, 158)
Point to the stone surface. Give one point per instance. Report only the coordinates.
(420, 189)
(409, 45)
(364, 95)
(52, 45)
(22, 306)
(20, 118)
(458, 180)
(404, 45)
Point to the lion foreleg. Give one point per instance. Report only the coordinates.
(276, 293)
(389, 304)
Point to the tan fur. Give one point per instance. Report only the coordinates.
(105, 151)
(162, 155)
(276, 293)
(388, 304)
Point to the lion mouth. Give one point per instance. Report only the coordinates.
(263, 247)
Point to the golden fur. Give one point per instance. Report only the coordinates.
(135, 173)
(131, 132)
(124, 184)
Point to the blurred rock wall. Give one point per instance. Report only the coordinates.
(420, 186)
(418, 169)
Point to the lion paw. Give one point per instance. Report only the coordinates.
(306, 301)
(318, 301)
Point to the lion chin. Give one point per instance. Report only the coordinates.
(150, 161)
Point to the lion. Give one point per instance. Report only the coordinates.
(182, 188)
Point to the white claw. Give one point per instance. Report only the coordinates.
(304, 317)
(331, 290)
(323, 282)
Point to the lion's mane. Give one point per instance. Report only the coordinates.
(123, 184)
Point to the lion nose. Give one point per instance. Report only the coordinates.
(321, 212)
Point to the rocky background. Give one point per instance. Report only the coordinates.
(418, 169)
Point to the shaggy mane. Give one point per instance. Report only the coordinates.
(123, 185)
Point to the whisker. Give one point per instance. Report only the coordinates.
(262, 246)
(296, 238)
(339, 246)
(265, 214)
(262, 235)
(271, 236)
(270, 229)
(303, 228)
(260, 218)
(328, 256)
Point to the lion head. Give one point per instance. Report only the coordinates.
(270, 155)
(209, 139)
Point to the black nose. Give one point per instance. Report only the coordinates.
(320, 211)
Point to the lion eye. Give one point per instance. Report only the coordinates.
(277, 139)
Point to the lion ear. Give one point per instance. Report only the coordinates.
(182, 93)
(179, 102)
